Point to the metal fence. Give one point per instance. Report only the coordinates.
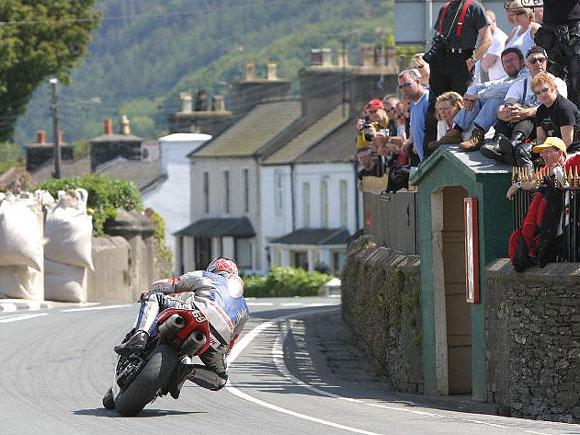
(569, 235)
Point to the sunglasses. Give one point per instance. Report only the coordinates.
(420, 66)
(391, 109)
(405, 85)
(519, 12)
(543, 90)
(535, 60)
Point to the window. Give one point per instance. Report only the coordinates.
(324, 203)
(246, 185)
(343, 203)
(226, 191)
(244, 253)
(206, 192)
(278, 193)
(306, 206)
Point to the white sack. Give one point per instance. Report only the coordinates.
(21, 282)
(21, 236)
(69, 230)
(64, 283)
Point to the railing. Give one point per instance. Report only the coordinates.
(569, 246)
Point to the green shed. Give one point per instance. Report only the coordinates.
(453, 330)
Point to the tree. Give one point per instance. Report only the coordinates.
(38, 39)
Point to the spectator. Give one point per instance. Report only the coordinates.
(517, 114)
(560, 36)
(369, 165)
(460, 25)
(413, 90)
(396, 153)
(423, 67)
(447, 106)
(390, 105)
(536, 241)
(374, 119)
(403, 120)
(481, 102)
(522, 35)
(556, 116)
(490, 63)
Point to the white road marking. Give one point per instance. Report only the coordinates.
(105, 307)
(8, 307)
(292, 304)
(259, 304)
(21, 317)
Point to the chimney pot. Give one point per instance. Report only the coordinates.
(41, 137)
(249, 71)
(125, 125)
(321, 57)
(60, 141)
(217, 103)
(342, 58)
(186, 102)
(271, 73)
(368, 57)
(108, 126)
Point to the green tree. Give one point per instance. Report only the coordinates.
(38, 39)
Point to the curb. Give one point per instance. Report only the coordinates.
(12, 305)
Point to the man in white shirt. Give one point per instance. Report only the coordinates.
(491, 62)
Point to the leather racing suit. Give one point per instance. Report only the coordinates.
(219, 299)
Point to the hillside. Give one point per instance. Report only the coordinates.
(147, 51)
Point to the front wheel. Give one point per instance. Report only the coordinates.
(154, 376)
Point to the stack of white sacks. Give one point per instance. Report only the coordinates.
(45, 260)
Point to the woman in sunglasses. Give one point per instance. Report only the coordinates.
(556, 116)
(522, 35)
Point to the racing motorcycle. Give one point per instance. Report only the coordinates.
(143, 376)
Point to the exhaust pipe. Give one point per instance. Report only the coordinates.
(171, 326)
(194, 342)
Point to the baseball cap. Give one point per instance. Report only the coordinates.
(536, 50)
(551, 142)
(374, 104)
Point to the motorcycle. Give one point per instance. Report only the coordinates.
(143, 376)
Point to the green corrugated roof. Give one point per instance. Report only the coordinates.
(301, 143)
(253, 131)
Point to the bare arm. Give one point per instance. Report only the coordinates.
(567, 132)
(485, 42)
(488, 61)
(540, 135)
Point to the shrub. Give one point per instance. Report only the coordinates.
(163, 251)
(106, 195)
(284, 282)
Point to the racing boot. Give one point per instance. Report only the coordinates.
(523, 155)
(453, 136)
(179, 376)
(491, 150)
(474, 142)
(508, 146)
(132, 344)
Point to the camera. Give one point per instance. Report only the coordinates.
(436, 46)
(367, 129)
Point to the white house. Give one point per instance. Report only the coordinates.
(224, 213)
(171, 197)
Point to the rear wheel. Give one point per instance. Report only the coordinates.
(154, 376)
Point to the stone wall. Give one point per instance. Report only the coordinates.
(533, 341)
(380, 303)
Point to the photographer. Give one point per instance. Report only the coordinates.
(454, 53)
(560, 36)
(375, 118)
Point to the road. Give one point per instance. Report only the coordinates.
(293, 371)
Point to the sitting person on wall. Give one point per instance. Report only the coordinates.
(374, 119)
(536, 242)
(516, 115)
(480, 104)
(447, 106)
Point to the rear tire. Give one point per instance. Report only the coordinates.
(154, 376)
(108, 401)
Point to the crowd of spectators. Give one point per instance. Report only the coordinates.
(500, 94)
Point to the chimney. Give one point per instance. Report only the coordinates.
(41, 137)
(125, 125)
(249, 72)
(321, 57)
(108, 126)
(218, 103)
(271, 72)
(186, 102)
(368, 57)
(342, 58)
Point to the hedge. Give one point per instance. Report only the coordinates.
(285, 281)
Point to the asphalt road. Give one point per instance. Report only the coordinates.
(295, 370)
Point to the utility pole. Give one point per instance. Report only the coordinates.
(54, 106)
(343, 78)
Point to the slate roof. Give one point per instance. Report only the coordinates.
(337, 147)
(68, 169)
(219, 227)
(314, 236)
(253, 131)
(305, 140)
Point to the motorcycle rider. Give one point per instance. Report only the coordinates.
(218, 293)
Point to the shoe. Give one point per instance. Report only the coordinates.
(453, 136)
(178, 378)
(474, 142)
(491, 150)
(135, 343)
(508, 146)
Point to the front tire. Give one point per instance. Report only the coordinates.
(154, 376)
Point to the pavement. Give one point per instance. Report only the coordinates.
(11, 305)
